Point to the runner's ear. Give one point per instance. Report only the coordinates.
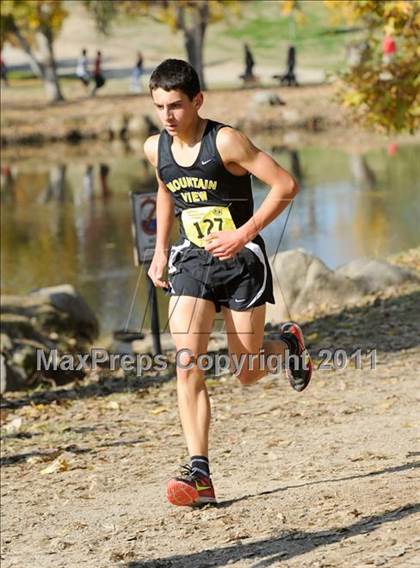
(198, 100)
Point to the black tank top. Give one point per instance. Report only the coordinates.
(206, 182)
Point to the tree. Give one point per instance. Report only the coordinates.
(381, 86)
(33, 25)
(192, 17)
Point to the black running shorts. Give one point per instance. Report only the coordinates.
(240, 283)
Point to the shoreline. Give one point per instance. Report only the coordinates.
(128, 118)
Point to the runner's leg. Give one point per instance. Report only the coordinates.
(245, 334)
(191, 322)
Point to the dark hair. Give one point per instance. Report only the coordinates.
(175, 75)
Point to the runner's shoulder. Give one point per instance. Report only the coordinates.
(232, 144)
(151, 149)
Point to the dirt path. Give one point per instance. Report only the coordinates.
(324, 478)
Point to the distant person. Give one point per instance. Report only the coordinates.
(82, 70)
(103, 178)
(3, 71)
(98, 77)
(289, 77)
(136, 84)
(7, 183)
(88, 182)
(249, 64)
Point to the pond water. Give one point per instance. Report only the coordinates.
(67, 217)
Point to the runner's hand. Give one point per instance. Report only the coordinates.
(224, 244)
(156, 270)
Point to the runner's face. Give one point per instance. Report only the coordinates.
(175, 110)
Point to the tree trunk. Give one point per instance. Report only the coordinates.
(194, 37)
(50, 77)
(35, 65)
(45, 68)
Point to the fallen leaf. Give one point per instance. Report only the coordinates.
(158, 410)
(13, 426)
(59, 464)
(113, 405)
(312, 336)
(34, 459)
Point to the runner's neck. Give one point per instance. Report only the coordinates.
(192, 136)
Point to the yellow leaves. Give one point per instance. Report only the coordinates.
(31, 16)
(34, 410)
(158, 410)
(400, 7)
(353, 10)
(57, 17)
(287, 7)
(340, 9)
(381, 90)
(353, 98)
(168, 16)
(292, 8)
(217, 11)
(389, 27)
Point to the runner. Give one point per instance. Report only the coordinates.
(99, 79)
(219, 263)
(82, 70)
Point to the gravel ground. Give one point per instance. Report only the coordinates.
(322, 478)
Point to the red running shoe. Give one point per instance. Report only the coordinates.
(190, 489)
(299, 372)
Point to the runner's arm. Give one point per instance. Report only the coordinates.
(165, 215)
(164, 218)
(235, 148)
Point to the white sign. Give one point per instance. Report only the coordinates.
(144, 226)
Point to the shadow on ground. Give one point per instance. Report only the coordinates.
(73, 448)
(280, 548)
(391, 469)
(102, 387)
(388, 325)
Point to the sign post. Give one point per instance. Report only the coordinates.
(144, 235)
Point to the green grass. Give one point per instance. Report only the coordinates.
(317, 40)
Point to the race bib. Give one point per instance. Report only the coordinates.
(198, 222)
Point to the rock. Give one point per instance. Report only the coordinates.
(64, 298)
(16, 325)
(55, 318)
(11, 377)
(374, 275)
(25, 357)
(266, 98)
(306, 282)
(5, 342)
